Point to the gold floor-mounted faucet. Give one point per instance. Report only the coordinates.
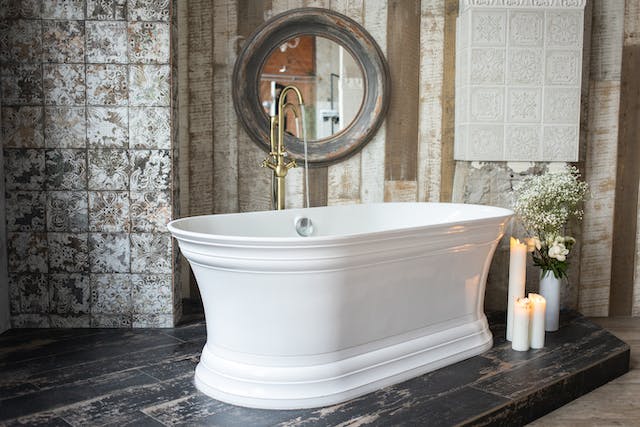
(277, 159)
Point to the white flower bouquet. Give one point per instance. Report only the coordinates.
(544, 204)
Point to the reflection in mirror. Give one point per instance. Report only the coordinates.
(328, 76)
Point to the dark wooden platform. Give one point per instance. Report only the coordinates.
(85, 377)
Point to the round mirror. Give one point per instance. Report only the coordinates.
(327, 75)
(337, 66)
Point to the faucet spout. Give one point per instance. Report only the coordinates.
(277, 159)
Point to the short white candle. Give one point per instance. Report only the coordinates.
(536, 324)
(521, 314)
(517, 278)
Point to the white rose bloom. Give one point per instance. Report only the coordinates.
(558, 251)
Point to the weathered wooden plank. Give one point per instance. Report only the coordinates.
(403, 52)
(400, 191)
(606, 41)
(344, 178)
(597, 227)
(225, 147)
(254, 182)
(447, 164)
(201, 117)
(373, 154)
(432, 44)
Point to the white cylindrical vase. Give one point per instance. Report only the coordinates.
(550, 290)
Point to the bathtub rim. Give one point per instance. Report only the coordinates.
(313, 240)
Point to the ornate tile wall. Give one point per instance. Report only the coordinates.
(86, 129)
(518, 77)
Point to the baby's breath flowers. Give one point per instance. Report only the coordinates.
(544, 204)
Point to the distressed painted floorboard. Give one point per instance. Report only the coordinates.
(145, 378)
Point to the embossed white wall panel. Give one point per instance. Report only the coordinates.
(518, 77)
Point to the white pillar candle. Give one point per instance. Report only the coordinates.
(521, 314)
(517, 277)
(536, 323)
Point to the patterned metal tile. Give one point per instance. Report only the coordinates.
(67, 211)
(66, 169)
(152, 294)
(64, 84)
(150, 211)
(107, 84)
(150, 253)
(148, 10)
(149, 127)
(20, 41)
(108, 211)
(148, 42)
(152, 320)
(69, 293)
(21, 84)
(70, 321)
(63, 41)
(107, 9)
(108, 170)
(24, 169)
(30, 321)
(68, 252)
(107, 127)
(109, 253)
(99, 320)
(30, 293)
(149, 85)
(111, 293)
(20, 8)
(21, 127)
(150, 170)
(65, 127)
(106, 42)
(63, 9)
(25, 210)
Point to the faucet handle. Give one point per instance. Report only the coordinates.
(291, 164)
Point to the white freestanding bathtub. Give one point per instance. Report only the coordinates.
(378, 294)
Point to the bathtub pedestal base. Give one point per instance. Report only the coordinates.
(275, 383)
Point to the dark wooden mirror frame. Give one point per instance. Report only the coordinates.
(333, 26)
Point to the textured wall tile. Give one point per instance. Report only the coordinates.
(22, 127)
(564, 28)
(151, 293)
(487, 104)
(148, 42)
(525, 67)
(150, 211)
(150, 253)
(109, 253)
(30, 293)
(106, 42)
(69, 293)
(20, 8)
(562, 105)
(523, 142)
(68, 252)
(486, 141)
(64, 84)
(489, 28)
(107, 9)
(563, 67)
(63, 41)
(110, 320)
(153, 320)
(108, 211)
(30, 321)
(150, 170)
(24, 169)
(560, 142)
(65, 127)
(111, 293)
(526, 28)
(67, 211)
(70, 321)
(20, 41)
(487, 66)
(108, 170)
(524, 105)
(25, 210)
(149, 85)
(149, 127)
(107, 127)
(27, 252)
(66, 169)
(148, 10)
(21, 84)
(63, 9)
(107, 85)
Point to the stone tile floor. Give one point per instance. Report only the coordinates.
(86, 377)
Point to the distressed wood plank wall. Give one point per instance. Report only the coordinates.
(601, 157)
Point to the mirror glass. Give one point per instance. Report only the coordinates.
(330, 79)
